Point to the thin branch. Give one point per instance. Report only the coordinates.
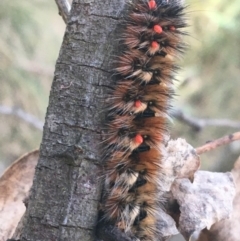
(64, 9)
(30, 119)
(199, 124)
(219, 142)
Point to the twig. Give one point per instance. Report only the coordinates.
(22, 115)
(219, 142)
(64, 9)
(199, 124)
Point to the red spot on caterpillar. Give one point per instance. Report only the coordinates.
(138, 139)
(152, 4)
(157, 28)
(172, 28)
(137, 103)
(155, 44)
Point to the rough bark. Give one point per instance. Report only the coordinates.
(64, 199)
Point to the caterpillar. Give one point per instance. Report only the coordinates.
(137, 117)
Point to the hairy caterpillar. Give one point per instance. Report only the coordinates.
(137, 117)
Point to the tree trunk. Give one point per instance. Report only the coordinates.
(63, 203)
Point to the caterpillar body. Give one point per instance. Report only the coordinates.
(137, 117)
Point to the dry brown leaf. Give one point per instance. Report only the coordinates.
(227, 230)
(180, 161)
(202, 203)
(205, 201)
(15, 184)
(166, 225)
